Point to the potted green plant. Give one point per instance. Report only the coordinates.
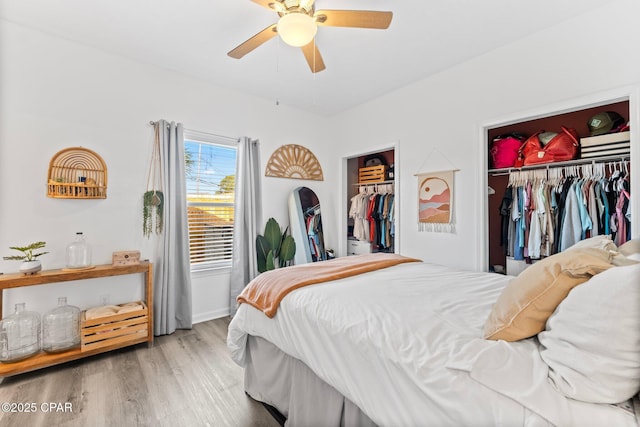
(274, 249)
(152, 212)
(30, 265)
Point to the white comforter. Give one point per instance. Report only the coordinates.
(404, 344)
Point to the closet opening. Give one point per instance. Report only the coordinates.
(603, 174)
(370, 202)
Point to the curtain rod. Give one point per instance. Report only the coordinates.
(228, 138)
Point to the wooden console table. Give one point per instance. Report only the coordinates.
(43, 359)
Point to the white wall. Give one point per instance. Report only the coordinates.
(592, 53)
(57, 94)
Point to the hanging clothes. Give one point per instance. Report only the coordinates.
(358, 211)
(547, 211)
(313, 222)
(571, 229)
(505, 218)
(371, 216)
(388, 218)
(392, 228)
(518, 217)
(372, 210)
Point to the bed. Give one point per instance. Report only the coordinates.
(405, 345)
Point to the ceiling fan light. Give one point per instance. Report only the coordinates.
(297, 29)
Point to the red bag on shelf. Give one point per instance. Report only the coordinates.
(504, 150)
(562, 147)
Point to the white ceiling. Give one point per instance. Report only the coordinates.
(193, 37)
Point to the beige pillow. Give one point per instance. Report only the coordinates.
(529, 299)
(602, 241)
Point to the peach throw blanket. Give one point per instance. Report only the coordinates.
(267, 290)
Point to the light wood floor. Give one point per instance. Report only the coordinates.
(185, 379)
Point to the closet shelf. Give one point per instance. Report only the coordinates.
(502, 171)
(363, 184)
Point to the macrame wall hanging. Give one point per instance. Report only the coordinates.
(153, 198)
(294, 161)
(435, 199)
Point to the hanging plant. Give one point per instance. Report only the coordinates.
(152, 212)
(153, 199)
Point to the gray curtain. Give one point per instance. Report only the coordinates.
(172, 272)
(248, 218)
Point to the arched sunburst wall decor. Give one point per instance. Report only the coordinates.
(294, 161)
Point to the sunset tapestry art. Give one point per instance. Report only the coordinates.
(435, 198)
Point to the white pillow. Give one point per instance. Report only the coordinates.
(635, 257)
(592, 341)
(620, 260)
(630, 247)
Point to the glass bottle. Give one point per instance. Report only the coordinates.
(78, 252)
(61, 327)
(19, 334)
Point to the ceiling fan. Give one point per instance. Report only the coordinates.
(298, 24)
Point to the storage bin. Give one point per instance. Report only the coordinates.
(358, 247)
(372, 174)
(114, 329)
(613, 144)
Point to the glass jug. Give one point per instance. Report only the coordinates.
(19, 335)
(79, 252)
(61, 327)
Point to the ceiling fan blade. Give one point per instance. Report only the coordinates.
(314, 59)
(354, 18)
(264, 3)
(255, 41)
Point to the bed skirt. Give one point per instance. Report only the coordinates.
(288, 385)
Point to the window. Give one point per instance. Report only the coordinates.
(210, 169)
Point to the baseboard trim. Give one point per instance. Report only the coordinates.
(210, 315)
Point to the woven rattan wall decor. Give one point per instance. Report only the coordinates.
(77, 173)
(294, 161)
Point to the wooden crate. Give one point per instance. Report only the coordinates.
(372, 174)
(114, 329)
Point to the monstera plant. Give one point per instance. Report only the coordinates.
(275, 249)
